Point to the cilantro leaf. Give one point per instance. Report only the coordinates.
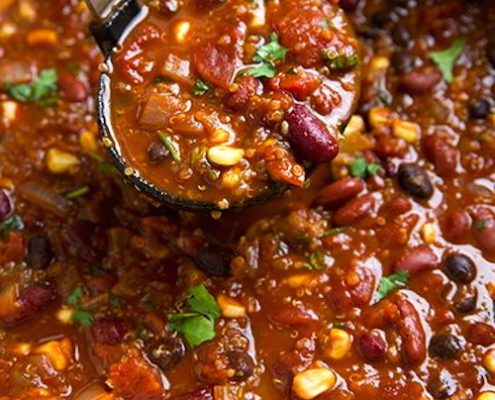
(196, 329)
(340, 60)
(266, 56)
(42, 90)
(14, 222)
(390, 283)
(446, 59)
(360, 168)
(334, 231)
(75, 297)
(480, 224)
(172, 147)
(200, 88)
(197, 325)
(318, 260)
(83, 317)
(202, 302)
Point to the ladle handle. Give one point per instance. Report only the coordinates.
(111, 18)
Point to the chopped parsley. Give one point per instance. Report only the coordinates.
(266, 56)
(42, 91)
(12, 223)
(318, 260)
(200, 88)
(480, 224)
(360, 168)
(446, 59)
(170, 145)
(80, 316)
(197, 325)
(340, 61)
(390, 283)
(333, 231)
(339, 325)
(76, 193)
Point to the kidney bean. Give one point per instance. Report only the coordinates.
(109, 330)
(166, 352)
(80, 235)
(31, 301)
(241, 363)
(388, 146)
(460, 268)
(349, 5)
(446, 345)
(372, 346)
(295, 315)
(354, 211)
(6, 204)
(456, 225)
(481, 333)
(399, 205)
(465, 299)
(214, 259)
(441, 153)
(339, 192)
(416, 259)
(484, 228)
(309, 137)
(414, 181)
(72, 88)
(39, 252)
(402, 61)
(421, 80)
(201, 393)
(411, 331)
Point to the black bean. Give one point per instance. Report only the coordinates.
(157, 152)
(400, 35)
(465, 300)
(349, 5)
(443, 386)
(215, 259)
(242, 363)
(446, 345)
(381, 18)
(402, 61)
(39, 252)
(167, 352)
(460, 268)
(490, 53)
(415, 181)
(479, 109)
(6, 204)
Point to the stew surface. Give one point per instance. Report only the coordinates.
(210, 101)
(377, 281)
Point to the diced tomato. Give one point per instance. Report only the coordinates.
(300, 84)
(155, 111)
(131, 62)
(12, 249)
(282, 166)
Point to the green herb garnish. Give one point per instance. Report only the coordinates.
(43, 90)
(390, 283)
(339, 325)
(340, 61)
(80, 316)
(318, 261)
(76, 193)
(170, 145)
(446, 59)
(197, 325)
(480, 224)
(333, 231)
(12, 223)
(200, 88)
(360, 168)
(266, 56)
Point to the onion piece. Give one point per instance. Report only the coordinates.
(44, 197)
(93, 391)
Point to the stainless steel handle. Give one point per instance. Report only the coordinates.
(101, 9)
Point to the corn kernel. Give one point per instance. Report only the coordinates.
(409, 131)
(58, 353)
(88, 142)
(230, 179)
(7, 30)
(59, 162)
(27, 11)
(337, 344)
(486, 396)
(181, 29)
(379, 63)
(42, 37)
(380, 117)
(22, 349)
(489, 361)
(306, 280)
(9, 110)
(259, 15)
(311, 383)
(230, 307)
(225, 155)
(220, 136)
(355, 125)
(65, 314)
(429, 233)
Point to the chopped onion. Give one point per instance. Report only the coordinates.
(44, 197)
